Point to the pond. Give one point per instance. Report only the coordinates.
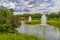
(46, 31)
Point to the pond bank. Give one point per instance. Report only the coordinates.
(51, 22)
(17, 36)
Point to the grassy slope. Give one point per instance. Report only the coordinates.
(55, 23)
(52, 22)
(34, 22)
(17, 36)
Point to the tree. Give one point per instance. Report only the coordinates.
(5, 22)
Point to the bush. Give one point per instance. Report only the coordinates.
(5, 27)
(6, 24)
(15, 21)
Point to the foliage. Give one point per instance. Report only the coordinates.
(5, 28)
(53, 15)
(15, 21)
(6, 24)
(5, 12)
(37, 15)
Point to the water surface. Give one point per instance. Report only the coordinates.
(47, 32)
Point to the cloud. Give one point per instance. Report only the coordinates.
(11, 5)
(56, 7)
(42, 6)
(33, 5)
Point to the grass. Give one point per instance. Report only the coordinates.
(52, 22)
(17, 36)
(34, 22)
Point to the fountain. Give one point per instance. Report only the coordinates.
(30, 18)
(43, 20)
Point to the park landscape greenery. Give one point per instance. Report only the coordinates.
(53, 19)
(8, 23)
(7, 20)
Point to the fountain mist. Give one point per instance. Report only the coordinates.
(43, 20)
(30, 18)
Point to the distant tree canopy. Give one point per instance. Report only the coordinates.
(37, 15)
(53, 15)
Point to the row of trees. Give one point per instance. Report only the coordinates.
(34, 16)
(53, 15)
(38, 15)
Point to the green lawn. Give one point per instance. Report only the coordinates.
(52, 22)
(17, 36)
(34, 22)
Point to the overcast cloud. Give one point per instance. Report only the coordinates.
(32, 5)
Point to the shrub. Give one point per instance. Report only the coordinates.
(8, 22)
(5, 27)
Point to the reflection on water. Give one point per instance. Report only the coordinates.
(48, 32)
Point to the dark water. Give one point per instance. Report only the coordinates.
(47, 32)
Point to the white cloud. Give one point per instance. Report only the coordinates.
(12, 5)
(5, 5)
(56, 7)
(29, 5)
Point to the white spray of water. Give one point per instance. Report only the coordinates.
(43, 20)
(30, 18)
(22, 27)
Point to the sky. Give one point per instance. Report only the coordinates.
(34, 6)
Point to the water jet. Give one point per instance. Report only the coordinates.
(43, 20)
(30, 18)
